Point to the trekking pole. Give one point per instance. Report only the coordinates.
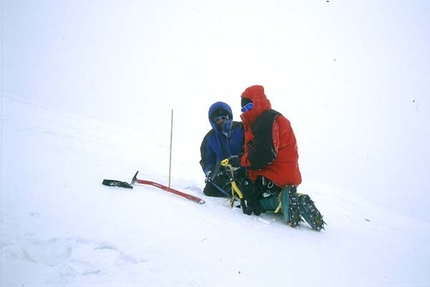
(215, 173)
(220, 189)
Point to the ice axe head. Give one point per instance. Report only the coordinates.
(112, 182)
(134, 179)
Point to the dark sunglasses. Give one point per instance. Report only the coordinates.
(217, 119)
(247, 107)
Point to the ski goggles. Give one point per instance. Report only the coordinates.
(217, 119)
(247, 107)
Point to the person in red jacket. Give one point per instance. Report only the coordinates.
(270, 144)
(270, 158)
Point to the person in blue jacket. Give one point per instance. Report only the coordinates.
(226, 138)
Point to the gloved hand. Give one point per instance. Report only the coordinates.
(207, 176)
(253, 206)
(251, 193)
(234, 160)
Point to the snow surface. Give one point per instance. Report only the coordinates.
(87, 90)
(62, 227)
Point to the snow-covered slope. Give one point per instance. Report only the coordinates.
(61, 227)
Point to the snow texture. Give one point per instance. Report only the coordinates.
(61, 226)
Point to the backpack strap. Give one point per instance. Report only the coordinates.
(261, 149)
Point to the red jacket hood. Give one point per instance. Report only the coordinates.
(260, 101)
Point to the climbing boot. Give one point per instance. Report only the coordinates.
(290, 205)
(269, 203)
(310, 213)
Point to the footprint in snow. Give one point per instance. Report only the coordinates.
(71, 257)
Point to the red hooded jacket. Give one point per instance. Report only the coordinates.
(270, 143)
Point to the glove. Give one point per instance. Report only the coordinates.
(253, 206)
(234, 160)
(251, 194)
(207, 175)
(226, 128)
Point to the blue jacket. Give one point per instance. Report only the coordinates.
(220, 144)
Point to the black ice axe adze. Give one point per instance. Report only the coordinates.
(111, 182)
